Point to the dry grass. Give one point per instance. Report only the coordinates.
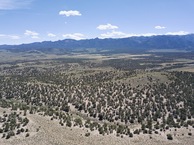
(6, 56)
(186, 69)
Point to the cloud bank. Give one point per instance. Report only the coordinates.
(177, 33)
(76, 36)
(119, 34)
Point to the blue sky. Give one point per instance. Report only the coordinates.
(25, 21)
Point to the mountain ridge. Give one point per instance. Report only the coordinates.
(141, 43)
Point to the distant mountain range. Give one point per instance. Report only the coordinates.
(131, 44)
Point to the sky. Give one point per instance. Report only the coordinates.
(27, 21)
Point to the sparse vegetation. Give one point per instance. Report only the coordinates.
(11, 123)
(107, 97)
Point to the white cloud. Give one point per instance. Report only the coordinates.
(32, 34)
(14, 4)
(13, 37)
(76, 36)
(107, 27)
(70, 13)
(177, 33)
(113, 34)
(51, 35)
(119, 34)
(159, 27)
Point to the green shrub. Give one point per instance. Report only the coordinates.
(169, 137)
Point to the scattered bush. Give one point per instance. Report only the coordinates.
(169, 137)
(27, 134)
(87, 134)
